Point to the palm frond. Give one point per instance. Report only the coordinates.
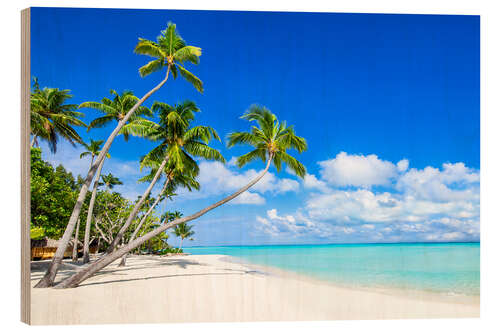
(101, 121)
(241, 138)
(152, 66)
(203, 133)
(188, 53)
(150, 48)
(98, 106)
(191, 78)
(251, 156)
(298, 168)
(200, 149)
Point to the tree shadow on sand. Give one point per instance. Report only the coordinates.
(242, 272)
(69, 268)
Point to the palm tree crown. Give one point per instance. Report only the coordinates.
(116, 109)
(183, 230)
(178, 140)
(271, 140)
(93, 149)
(110, 181)
(51, 117)
(170, 51)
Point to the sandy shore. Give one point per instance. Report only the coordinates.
(208, 288)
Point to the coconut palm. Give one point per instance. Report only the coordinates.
(93, 149)
(174, 179)
(110, 181)
(183, 230)
(74, 256)
(179, 143)
(171, 52)
(116, 109)
(52, 118)
(270, 139)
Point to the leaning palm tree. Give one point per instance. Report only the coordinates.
(93, 149)
(170, 52)
(179, 143)
(183, 230)
(174, 180)
(114, 110)
(52, 118)
(270, 139)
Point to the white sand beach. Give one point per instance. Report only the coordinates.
(211, 288)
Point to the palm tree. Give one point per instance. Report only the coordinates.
(178, 141)
(170, 50)
(183, 230)
(173, 181)
(51, 117)
(110, 181)
(270, 140)
(93, 149)
(116, 109)
(74, 256)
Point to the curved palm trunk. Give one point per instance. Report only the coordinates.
(180, 246)
(86, 243)
(150, 210)
(74, 256)
(137, 206)
(33, 141)
(86, 272)
(50, 275)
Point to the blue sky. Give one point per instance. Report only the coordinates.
(389, 105)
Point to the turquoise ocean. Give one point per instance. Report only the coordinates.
(451, 268)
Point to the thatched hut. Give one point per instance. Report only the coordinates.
(46, 248)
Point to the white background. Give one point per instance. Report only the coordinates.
(490, 152)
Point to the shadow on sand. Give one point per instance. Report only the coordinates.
(68, 267)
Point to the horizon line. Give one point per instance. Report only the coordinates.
(308, 244)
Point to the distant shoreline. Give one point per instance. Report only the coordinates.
(310, 244)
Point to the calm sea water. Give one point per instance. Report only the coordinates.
(451, 268)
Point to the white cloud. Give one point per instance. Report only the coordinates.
(287, 185)
(402, 165)
(455, 182)
(248, 198)
(216, 178)
(449, 236)
(294, 226)
(357, 170)
(311, 182)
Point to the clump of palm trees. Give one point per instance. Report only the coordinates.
(183, 231)
(179, 146)
(170, 51)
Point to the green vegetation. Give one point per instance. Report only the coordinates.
(53, 195)
(183, 230)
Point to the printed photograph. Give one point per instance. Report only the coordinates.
(223, 166)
